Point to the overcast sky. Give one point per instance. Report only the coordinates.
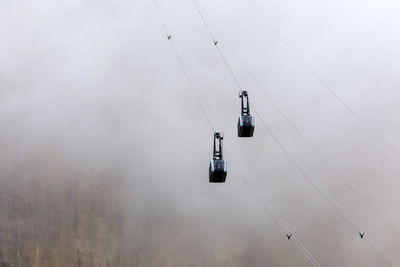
(98, 80)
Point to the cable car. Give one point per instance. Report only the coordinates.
(246, 121)
(217, 170)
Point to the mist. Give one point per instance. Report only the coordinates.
(105, 150)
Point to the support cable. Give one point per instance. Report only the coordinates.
(329, 200)
(216, 45)
(267, 208)
(180, 62)
(276, 217)
(324, 84)
(309, 143)
(388, 258)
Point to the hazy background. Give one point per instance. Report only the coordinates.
(105, 151)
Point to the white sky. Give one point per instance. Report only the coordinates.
(100, 80)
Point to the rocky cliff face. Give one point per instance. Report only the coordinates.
(56, 214)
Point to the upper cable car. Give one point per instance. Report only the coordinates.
(246, 121)
(217, 170)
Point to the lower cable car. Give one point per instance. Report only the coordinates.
(217, 170)
(246, 121)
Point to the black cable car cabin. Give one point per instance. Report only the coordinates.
(217, 170)
(246, 121)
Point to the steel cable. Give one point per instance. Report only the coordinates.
(330, 201)
(269, 209)
(324, 84)
(292, 125)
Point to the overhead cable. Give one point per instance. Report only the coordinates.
(273, 214)
(323, 194)
(309, 143)
(324, 84)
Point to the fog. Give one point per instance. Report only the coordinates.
(105, 149)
